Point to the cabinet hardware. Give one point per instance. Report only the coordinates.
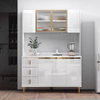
(30, 62)
(29, 71)
(30, 81)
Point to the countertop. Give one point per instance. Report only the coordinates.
(49, 55)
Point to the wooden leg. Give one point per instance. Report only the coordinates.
(78, 89)
(24, 89)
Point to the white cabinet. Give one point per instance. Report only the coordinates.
(29, 21)
(45, 72)
(73, 21)
(59, 73)
(73, 72)
(51, 72)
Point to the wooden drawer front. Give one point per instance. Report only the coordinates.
(33, 81)
(30, 72)
(25, 81)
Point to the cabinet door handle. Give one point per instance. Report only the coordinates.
(30, 62)
(30, 81)
(29, 71)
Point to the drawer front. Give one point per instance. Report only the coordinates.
(30, 62)
(25, 81)
(26, 62)
(33, 81)
(29, 71)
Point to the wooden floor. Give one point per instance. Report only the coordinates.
(18, 95)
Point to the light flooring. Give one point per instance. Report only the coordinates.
(18, 95)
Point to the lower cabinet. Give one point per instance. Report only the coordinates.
(45, 72)
(53, 72)
(59, 73)
(73, 72)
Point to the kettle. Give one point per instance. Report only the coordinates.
(71, 46)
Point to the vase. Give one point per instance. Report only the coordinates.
(35, 52)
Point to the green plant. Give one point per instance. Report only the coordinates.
(34, 44)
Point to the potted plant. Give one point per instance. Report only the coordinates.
(34, 44)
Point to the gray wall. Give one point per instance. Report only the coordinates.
(89, 12)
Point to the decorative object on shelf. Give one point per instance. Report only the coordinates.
(34, 44)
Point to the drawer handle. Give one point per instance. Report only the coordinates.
(30, 62)
(29, 71)
(30, 81)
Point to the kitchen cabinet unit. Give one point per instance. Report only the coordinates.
(51, 72)
(28, 21)
(73, 21)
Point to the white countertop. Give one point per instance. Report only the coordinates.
(50, 55)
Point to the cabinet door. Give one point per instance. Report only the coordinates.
(29, 21)
(73, 72)
(59, 73)
(45, 72)
(73, 21)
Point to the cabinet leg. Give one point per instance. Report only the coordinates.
(78, 89)
(24, 88)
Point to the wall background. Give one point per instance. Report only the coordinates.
(90, 11)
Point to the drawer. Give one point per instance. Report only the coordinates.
(25, 81)
(30, 62)
(33, 81)
(29, 81)
(29, 71)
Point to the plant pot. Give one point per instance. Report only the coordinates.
(35, 52)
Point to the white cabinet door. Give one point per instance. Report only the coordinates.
(29, 21)
(73, 21)
(59, 73)
(45, 72)
(73, 72)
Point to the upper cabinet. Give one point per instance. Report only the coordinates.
(51, 21)
(43, 20)
(29, 21)
(73, 21)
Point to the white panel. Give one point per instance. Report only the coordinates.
(59, 73)
(25, 61)
(29, 21)
(45, 72)
(25, 81)
(34, 62)
(34, 72)
(25, 71)
(73, 21)
(73, 72)
(34, 81)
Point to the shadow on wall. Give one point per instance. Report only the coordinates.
(88, 55)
